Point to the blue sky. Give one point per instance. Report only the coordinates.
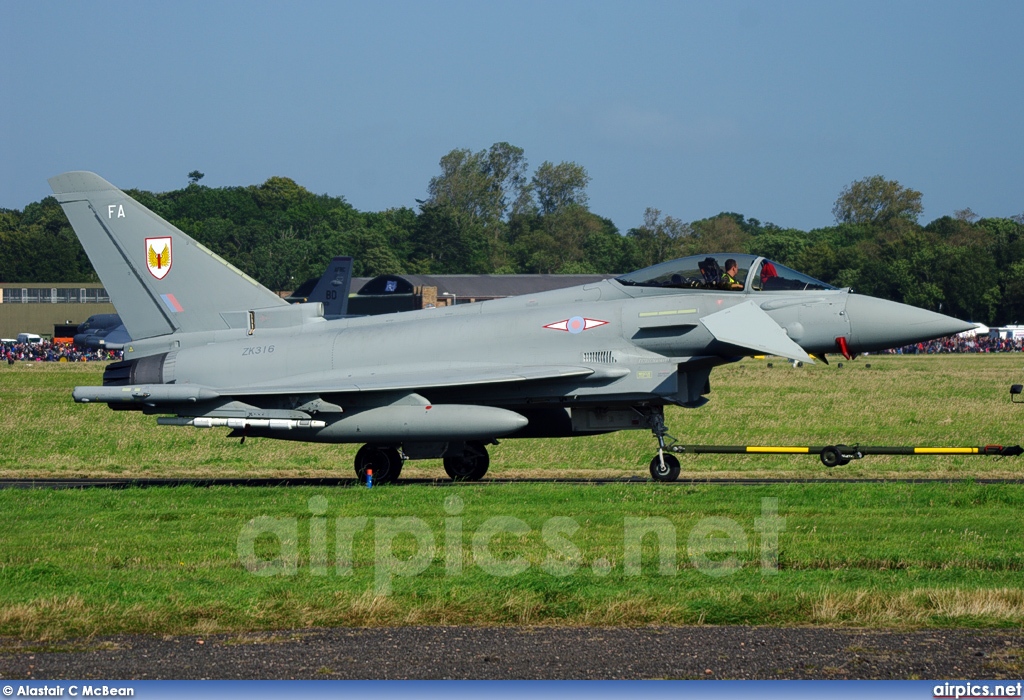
(764, 108)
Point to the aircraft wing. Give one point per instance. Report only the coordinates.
(747, 326)
(413, 379)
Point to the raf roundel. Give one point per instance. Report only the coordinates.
(576, 324)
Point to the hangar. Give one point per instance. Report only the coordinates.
(39, 307)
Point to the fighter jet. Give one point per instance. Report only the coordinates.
(213, 348)
(101, 331)
(331, 289)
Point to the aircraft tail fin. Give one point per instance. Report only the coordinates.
(160, 280)
(332, 289)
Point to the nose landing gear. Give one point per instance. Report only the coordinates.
(665, 465)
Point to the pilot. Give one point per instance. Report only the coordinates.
(728, 280)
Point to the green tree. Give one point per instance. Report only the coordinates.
(465, 186)
(558, 186)
(607, 251)
(659, 238)
(39, 246)
(570, 227)
(967, 294)
(479, 191)
(446, 241)
(1012, 307)
(722, 233)
(537, 251)
(488, 186)
(505, 167)
(875, 200)
(780, 245)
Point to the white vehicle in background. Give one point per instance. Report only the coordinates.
(30, 338)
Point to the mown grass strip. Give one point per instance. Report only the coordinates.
(167, 560)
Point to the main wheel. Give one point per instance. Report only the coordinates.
(471, 465)
(385, 462)
(669, 471)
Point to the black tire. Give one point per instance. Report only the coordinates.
(668, 472)
(831, 457)
(385, 462)
(471, 465)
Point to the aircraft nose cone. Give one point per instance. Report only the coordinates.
(878, 324)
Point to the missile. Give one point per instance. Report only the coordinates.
(243, 423)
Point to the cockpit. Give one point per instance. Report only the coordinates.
(753, 273)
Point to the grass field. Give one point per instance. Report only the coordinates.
(203, 560)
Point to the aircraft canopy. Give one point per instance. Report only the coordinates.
(755, 273)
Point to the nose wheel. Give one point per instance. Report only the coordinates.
(665, 467)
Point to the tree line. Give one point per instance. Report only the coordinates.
(486, 212)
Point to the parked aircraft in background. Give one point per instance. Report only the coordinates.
(331, 289)
(102, 331)
(211, 347)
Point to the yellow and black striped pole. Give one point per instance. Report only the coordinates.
(833, 455)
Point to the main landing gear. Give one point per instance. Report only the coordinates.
(386, 463)
(462, 461)
(469, 465)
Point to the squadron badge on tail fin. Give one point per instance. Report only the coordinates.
(158, 256)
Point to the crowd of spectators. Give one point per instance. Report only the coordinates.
(956, 343)
(47, 351)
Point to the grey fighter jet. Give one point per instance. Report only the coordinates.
(212, 348)
(331, 289)
(102, 331)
